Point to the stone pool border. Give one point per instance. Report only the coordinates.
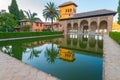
(111, 59)
(13, 69)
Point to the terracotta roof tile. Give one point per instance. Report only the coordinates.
(68, 3)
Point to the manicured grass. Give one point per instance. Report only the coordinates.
(115, 36)
(25, 34)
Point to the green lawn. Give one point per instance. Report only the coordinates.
(4, 35)
(115, 36)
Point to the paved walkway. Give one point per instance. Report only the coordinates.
(12, 69)
(111, 63)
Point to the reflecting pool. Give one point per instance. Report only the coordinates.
(69, 57)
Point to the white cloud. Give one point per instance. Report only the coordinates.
(4, 4)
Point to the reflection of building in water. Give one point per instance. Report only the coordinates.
(92, 43)
(35, 43)
(66, 55)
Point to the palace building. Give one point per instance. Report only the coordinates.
(98, 21)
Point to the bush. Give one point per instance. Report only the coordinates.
(46, 29)
(25, 28)
(25, 34)
(115, 36)
(8, 29)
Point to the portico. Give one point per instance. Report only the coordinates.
(98, 21)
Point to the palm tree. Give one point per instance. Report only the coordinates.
(50, 12)
(31, 17)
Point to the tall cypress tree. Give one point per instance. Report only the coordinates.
(13, 9)
(118, 10)
(22, 16)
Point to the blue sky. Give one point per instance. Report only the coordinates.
(83, 5)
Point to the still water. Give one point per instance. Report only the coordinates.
(70, 57)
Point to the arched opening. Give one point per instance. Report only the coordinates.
(103, 27)
(92, 41)
(84, 26)
(69, 28)
(83, 41)
(75, 41)
(100, 44)
(69, 40)
(85, 29)
(75, 28)
(93, 26)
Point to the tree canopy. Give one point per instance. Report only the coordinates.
(50, 12)
(7, 20)
(31, 16)
(13, 9)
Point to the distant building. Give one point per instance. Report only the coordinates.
(116, 27)
(98, 21)
(38, 25)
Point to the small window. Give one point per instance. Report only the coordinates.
(40, 24)
(69, 14)
(70, 10)
(66, 10)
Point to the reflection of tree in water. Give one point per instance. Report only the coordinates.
(7, 50)
(14, 50)
(92, 41)
(33, 53)
(51, 54)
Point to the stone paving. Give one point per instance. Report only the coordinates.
(12, 69)
(111, 60)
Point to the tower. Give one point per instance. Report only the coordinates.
(67, 10)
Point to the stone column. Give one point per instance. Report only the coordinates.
(98, 24)
(89, 21)
(64, 25)
(72, 25)
(109, 23)
(79, 28)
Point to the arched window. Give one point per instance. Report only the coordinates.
(68, 10)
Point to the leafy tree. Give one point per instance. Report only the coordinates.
(7, 20)
(118, 13)
(30, 16)
(22, 16)
(50, 12)
(13, 9)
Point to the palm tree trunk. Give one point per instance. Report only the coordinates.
(31, 24)
(52, 24)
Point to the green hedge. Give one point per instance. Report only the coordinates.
(4, 35)
(115, 36)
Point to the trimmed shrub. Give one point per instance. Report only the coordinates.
(115, 36)
(4, 35)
